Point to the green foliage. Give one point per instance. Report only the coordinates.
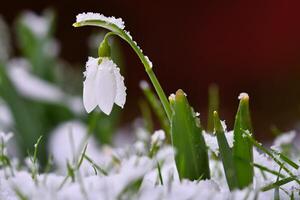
(213, 105)
(242, 148)
(187, 139)
(156, 107)
(37, 48)
(225, 153)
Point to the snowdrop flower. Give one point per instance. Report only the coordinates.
(5, 137)
(103, 85)
(158, 137)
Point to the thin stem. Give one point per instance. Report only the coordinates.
(263, 149)
(148, 68)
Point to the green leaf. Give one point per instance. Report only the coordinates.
(225, 153)
(277, 184)
(33, 47)
(156, 106)
(191, 151)
(213, 104)
(242, 148)
(28, 126)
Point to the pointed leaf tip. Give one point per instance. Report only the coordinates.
(76, 24)
(179, 92)
(244, 96)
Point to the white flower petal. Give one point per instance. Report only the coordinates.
(89, 85)
(105, 87)
(121, 89)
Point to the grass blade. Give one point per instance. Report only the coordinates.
(213, 104)
(191, 151)
(156, 106)
(242, 148)
(225, 153)
(271, 155)
(277, 184)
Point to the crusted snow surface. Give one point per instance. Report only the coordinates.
(97, 16)
(284, 139)
(128, 166)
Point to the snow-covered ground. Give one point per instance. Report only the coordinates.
(128, 172)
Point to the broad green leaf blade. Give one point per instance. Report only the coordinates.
(191, 151)
(213, 105)
(242, 148)
(225, 153)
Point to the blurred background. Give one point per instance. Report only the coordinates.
(242, 46)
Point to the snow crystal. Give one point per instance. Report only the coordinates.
(224, 125)
(172, 97)
(148, 61)
(243, 95)
(144, 85)
(97, 16)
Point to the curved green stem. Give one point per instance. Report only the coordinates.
(148, 68)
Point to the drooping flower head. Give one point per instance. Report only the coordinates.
(103, 85)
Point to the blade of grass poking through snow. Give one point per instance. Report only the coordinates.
(263, 168)
(146, 114)
(276, 191)
(225, 153)
(242, 148)
(191, 151)
(156, 106)
(286, 159)
(271, 155)
(277, 184)
(159, 174)
(95, 166)
(116, 26)
(213, 105)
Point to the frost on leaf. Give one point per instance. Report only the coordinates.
(97, 16)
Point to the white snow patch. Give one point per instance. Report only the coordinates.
(144, 85)
(285, 138)
(243, 95)
(97, 16)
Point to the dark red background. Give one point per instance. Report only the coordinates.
(251, 46)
